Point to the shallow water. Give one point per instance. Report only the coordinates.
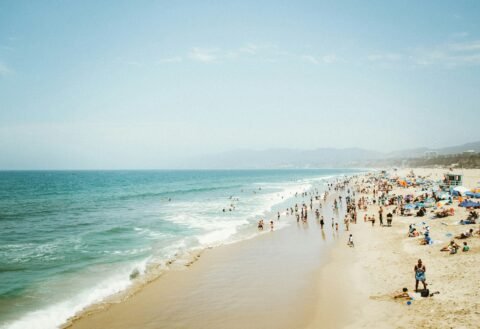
(71, 238)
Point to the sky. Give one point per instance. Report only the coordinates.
(144, 84)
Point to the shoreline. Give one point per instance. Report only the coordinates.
(187, 263)
(53, 314)
(346, 288)
(217, 270)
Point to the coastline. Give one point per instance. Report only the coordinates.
(189, 263)
(300, 278)
(219, 289)
(52, 311)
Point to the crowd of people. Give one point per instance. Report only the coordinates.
(373, 196)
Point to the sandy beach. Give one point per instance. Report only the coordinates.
(303, 277)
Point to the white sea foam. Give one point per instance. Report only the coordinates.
(55, 315)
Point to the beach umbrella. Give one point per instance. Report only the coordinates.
(469, 204)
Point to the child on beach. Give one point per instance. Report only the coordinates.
(350, 241)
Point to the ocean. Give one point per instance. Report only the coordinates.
(69, 239)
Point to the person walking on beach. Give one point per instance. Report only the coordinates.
(346, 221)
(389, 219)
(322, 222)
(350, 241)
(420, 270)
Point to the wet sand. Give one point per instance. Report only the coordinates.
(265, 282)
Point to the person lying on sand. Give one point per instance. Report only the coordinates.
(452, 247)
(473, 215)
(405, 294)
(468, 221)
(465, 235)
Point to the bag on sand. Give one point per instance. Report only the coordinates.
(425, 292)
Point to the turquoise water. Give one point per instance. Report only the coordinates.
(71, 238)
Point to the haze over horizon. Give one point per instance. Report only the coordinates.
(145, 84)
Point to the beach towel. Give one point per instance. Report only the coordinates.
(420, 276)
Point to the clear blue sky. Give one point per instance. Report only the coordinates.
(133, 84)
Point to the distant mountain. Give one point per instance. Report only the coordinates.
(419, 152)
(285, 158)
(317, 158)
(475, 146)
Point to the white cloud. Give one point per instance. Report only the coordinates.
(311, 59)
(175, 59)
(459, 35)
(251, 49)
(326, 59)
(465, 46)
(450, 54)
(205, 55)
(387, 57)
(265, 52)
(128, 62)
(329, 59)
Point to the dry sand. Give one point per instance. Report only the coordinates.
(301, 278)
(382, 263)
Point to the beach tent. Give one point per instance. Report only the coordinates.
(469, 204)
(443, 196)
(461, 190)
(429, 203)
